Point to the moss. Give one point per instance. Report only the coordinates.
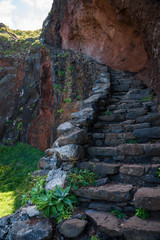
(16, 162)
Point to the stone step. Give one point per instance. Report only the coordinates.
(111, 117)
(137, 229)
(113, 139)
(137, 152)
(132, 229)
(135, 174)
(148, 198)
(119, 127)
(110, 192)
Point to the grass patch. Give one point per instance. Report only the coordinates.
(16, 162)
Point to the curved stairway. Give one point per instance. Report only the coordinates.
(125, 152)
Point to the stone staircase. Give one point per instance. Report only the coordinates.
(116, 134)
(125, 151)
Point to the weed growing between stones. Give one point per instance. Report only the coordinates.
(95, 237)
(131, 141)
(142, 213)
(158, 172)
(80, 178)
(108, 113)
(117, 213)
(16, 162)
(58, 203)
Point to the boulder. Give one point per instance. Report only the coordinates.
(55, 177)
(79, 136)
(73, 228)
(70, 152)
(39, 229)
(65, 127)
(48, 162)
(32, 211)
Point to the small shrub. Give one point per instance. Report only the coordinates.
(79, 178)
(54, 203)
(142, 213)
(117, 213)
(67, 100)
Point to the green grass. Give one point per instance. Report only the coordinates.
(16, 162)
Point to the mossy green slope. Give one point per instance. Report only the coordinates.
(16, 162)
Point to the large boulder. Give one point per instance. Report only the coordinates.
(73, 228)
(70, 152)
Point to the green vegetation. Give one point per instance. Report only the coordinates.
(16, 42)
(95, 237)
(148, 98)
(117, 213)
(131, 141)
(67, 100)
(108, 112)
(79, 178)
(60, 73)
(60, 110)
(54, 203)
(142, 213)
(16, 162)
(158, 172)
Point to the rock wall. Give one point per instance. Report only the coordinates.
(121, 34)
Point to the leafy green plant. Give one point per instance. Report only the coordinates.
(95, 237)
(67, 100)
(117, 213)
(68, 84)
(131, 141)
(108, 112)
(20, 126)
(79, 178)
(142, 213)
(57, 203)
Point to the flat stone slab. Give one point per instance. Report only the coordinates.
(131, 149)
(147, 198)
(137, 229)
(102, 151)
(101, 169)
(108, 192)
(106, 223)
(132, 170)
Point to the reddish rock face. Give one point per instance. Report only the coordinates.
(93, 28)
(40, 132)
(121, 34)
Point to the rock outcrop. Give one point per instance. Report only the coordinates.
(120, 34)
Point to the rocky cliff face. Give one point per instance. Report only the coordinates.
(40, 86)
(121, 34)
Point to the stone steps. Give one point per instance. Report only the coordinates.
(142, 153)
(135, 174)
(133, 228)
